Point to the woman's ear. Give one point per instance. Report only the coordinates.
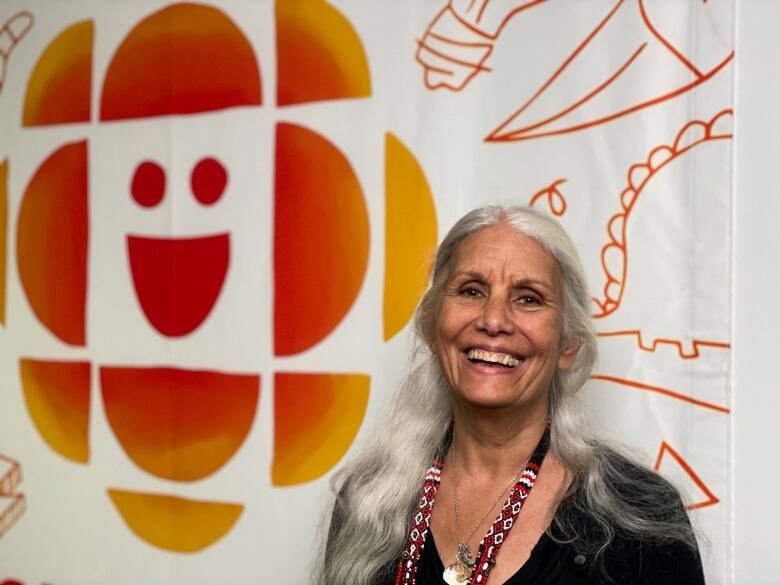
(429, 338)
(568, 353)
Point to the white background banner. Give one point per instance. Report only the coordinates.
(217, 219)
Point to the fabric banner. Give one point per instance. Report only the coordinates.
(216, 220)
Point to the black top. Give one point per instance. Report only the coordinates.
(553, 561)
(556, 560)
(625, 563)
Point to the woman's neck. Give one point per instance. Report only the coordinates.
(492, 443)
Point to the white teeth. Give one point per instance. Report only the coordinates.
(496, 358)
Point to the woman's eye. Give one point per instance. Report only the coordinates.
(528, 300)
(470, 292)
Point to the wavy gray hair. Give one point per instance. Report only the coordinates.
(377, 491)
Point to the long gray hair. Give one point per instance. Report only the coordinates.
(377, 491)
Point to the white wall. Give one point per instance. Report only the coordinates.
(756, 473)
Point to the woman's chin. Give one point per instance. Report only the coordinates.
(495, 400)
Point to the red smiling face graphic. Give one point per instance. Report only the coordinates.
(178, 279)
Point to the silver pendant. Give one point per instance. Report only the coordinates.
(464, 555)
(456, 574)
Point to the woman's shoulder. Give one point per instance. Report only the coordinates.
(620, 498)
(640, 489)
(645, 538)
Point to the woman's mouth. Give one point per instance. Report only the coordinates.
(492, 359)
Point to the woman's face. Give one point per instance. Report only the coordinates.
(498, 335)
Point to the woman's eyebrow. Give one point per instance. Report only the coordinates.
(471, 274)
(524, 282)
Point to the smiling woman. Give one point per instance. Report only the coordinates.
(498, 334)
(486, 417)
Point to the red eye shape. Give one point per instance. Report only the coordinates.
(148, 185)
(209, 179)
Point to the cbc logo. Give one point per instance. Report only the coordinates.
(140, 199)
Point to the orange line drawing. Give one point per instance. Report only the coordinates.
(691, 135)
(652, 347)
(12, 511)
(12, 477)
(11, 32)
(649, 23)
(555, 199)
(711, 500)
(628, 19)
(12, 505)
(460, 39)
(663, 391)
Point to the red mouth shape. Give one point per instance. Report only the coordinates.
(178, 280)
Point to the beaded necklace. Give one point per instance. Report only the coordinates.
(493, 539)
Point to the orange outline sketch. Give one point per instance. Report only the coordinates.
(663, 391)
(712, 499)
(6, 32)
(8, 483)
(493, 135)
(553, 195)
(526, 132)
(649, 24)
(640, 342)
(637, 177)
(12, 478)
(471, 28)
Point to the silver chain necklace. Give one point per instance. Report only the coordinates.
(459, 571)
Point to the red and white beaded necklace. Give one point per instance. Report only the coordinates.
(493, 539)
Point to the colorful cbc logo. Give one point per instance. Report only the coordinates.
(177, 422)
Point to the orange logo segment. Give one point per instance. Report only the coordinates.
(179, 424)
(60, 86)
(52, 234)
(172, 523)
(316, 419)
(214, 64)
(57, 395)
(319, 55)
(321, 239)
(178, 280)
(410, 238)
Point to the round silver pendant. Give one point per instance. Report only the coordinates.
(456, 574)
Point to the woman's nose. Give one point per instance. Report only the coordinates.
(495, 318)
